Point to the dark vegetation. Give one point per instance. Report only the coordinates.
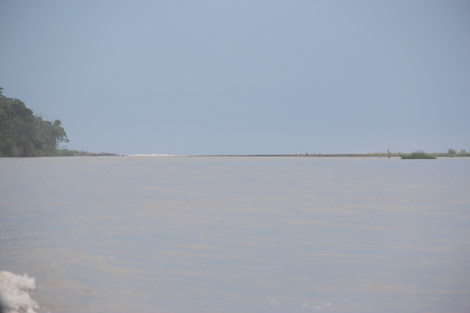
(23, 134)
(423, 155)
(418, 155)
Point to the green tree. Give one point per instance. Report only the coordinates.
(451, 151)
(22, 134)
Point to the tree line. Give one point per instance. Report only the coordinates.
(23, 134)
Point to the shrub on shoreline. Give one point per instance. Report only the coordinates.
(418, 155)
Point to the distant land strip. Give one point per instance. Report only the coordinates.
(285, 155)
(329, 155)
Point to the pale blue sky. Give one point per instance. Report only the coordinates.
(203, 77)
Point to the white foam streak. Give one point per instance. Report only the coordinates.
(15, 293)
(155, 155)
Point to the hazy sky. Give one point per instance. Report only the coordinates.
(197, 77)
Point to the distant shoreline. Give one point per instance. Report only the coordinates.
(319, 155)
(306, 155)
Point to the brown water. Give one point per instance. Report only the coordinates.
(179, 234)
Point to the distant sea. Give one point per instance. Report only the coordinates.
(213, 234)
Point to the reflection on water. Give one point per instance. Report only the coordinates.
(138, 234)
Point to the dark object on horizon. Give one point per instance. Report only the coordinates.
(418, 155)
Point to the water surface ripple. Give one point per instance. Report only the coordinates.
(183, 234)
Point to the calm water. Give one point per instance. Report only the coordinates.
(153, 234)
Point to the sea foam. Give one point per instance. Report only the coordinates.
(156, 155)
(15, 293)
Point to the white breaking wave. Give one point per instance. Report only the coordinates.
(156, 155)
(15, 293)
